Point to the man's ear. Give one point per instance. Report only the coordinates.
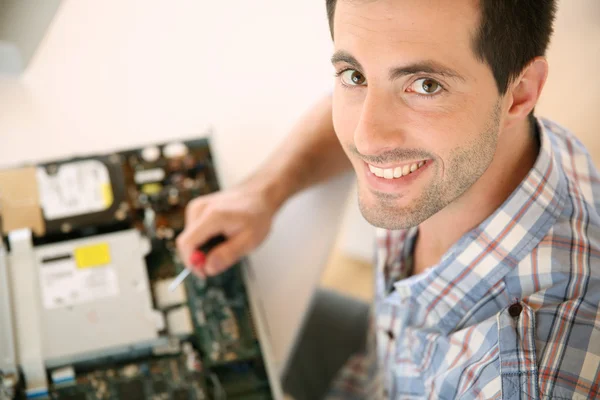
(526, 90)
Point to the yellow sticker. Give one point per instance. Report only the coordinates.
(107, 195)
(92, 256)
(151, 188)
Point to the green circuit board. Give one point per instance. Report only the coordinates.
(222, 358)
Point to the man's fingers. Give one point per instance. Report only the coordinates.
(194, 209)
(198, 233)
(228, 253)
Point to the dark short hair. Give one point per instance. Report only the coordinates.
(511, 34)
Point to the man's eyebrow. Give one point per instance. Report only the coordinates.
(343, 56)
(423, 67)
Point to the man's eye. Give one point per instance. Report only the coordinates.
(351, 77)
(425, 86)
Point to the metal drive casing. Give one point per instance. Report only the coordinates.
(94, 296)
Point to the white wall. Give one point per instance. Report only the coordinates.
(572, 93)
(116, 73)
(571, 97)
(11, 62)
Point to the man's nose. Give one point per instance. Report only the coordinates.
(382, 124)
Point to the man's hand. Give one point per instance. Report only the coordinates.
(242, 214)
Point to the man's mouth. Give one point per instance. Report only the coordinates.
(397, 171)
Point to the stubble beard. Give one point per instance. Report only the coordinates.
(467, 164)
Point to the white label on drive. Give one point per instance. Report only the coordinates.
(77, 188)
(64, 285)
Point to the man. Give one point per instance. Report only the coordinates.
(487, 271)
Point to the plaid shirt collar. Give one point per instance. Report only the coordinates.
(481, 259)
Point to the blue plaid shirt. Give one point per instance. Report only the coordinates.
(512, 309)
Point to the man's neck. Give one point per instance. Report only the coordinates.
(515, 156)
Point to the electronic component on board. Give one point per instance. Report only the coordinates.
(166, 298)
(150, 154)
(131, 390)
(179, 322)
(63, 376)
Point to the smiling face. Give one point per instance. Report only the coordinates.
(417, 113)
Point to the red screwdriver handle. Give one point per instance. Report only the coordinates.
(198, 258)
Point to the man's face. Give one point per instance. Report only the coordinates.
(416, 112)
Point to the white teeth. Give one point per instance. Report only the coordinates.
(377, 171)
(391, 173)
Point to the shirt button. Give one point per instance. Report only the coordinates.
(390, 334)
(515, 310)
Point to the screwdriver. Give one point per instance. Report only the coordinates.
(197, 259)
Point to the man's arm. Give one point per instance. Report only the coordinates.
(311, 154)
(244, 214)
